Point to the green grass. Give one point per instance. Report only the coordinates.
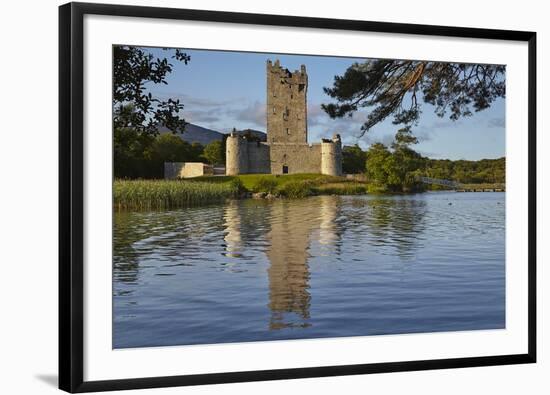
(166, 194)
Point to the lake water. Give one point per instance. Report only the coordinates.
(325, 266)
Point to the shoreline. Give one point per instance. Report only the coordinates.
(144, 195)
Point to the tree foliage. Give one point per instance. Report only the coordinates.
(170, 148)
(214, 152)
(133, 107)
(131, 151)
(378, 156)
(396, 88)
(395, 170)
(353, 159)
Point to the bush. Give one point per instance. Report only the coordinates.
(351, 188)
(265, 184)
(237, 185)
(296, 189)
(214, 152)
(376, 188)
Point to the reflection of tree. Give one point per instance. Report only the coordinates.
(125, 258)
(408, 226)
(141, 235)
(397, 223)
(379, 219)
(387, 224)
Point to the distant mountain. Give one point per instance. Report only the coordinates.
(198, 134)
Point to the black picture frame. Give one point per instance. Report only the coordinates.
(71, 221)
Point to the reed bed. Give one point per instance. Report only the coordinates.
(164, 194)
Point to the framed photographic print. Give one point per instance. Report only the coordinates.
(253, 197)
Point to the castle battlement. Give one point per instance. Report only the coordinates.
(291, 77)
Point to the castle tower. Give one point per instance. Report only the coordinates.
(236, 155)
(286, 104)
(331, 156)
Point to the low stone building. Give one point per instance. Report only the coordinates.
(173, 170)
(286, 150)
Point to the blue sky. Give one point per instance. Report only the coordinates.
(222, 90)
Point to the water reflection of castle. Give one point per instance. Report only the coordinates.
(288, 227)
(288, 230)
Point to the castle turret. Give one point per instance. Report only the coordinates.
(331, 156)
(236, 155)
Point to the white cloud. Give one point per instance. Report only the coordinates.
(253, 113)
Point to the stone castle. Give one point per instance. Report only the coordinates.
(286, 150)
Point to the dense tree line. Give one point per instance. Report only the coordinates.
(492, 171)
(396, 168)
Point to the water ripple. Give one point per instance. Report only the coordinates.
(323, 266)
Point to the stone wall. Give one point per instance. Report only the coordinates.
(258, 157)
(247, 157)
(298, 158)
